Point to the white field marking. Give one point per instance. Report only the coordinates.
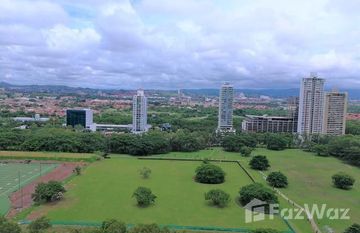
(8, 184)
(9, 190)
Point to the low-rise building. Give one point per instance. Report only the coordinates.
(271, 124)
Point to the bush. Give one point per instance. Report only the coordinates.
(259, 162)
(48, 192)
(342, 180)
(265, 230)
(144, 196)
(246, 151)
(234, 143)
(39, 225)
(217, 197)
(77, 170)
(145, 172)
(209, 174)
(276, 142)
(355, 228)
(321, 150)
(277, 180)
(8, 227)
(148, 228)
(113, 226)
(258, 191)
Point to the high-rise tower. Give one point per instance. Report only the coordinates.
(335, 113)
(311, 105)
(226, 100)
(139, 113)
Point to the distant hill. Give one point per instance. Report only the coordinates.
(57, 89)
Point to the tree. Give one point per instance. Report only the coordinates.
(209, 174)
(217, 197)
(321, 150)
(113, 226)
(144, 196)
(145, 172)
(258, 191)
(277, 180)
(246, 151)
(234, 143)
(39, 225)
(8, 227)
(276, 142)
(77, 170)
(355, 228)
(48, 192)
(259, 162)
(342, 180)
(265, 230)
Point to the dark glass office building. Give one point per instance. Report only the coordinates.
(83, 117)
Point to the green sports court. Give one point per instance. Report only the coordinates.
(16, 175)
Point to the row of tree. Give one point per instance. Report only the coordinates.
(67, 140)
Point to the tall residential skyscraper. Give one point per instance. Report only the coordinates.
(139, 113)
(226, 100)
(311, 105)
(335, 113)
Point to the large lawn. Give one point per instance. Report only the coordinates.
(310, 183)
(105, 189)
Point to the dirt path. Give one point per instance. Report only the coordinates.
(21, 199)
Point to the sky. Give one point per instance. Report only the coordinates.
(171, 44)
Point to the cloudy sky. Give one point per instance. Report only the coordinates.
(179, 43)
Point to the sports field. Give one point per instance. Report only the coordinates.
(15, 175)
(105, 188)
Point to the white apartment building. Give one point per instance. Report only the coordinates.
(139, 117)
(311, 105)
(226, 99)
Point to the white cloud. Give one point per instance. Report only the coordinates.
(172, 44)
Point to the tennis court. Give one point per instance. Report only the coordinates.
(16, 175)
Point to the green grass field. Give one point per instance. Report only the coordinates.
(105, 189)
(310, 183)
(15, 175)
(180, 200)
(58, 156)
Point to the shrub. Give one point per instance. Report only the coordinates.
(77, 170)
(209, 174)
(342, 180)
(259, 162)
(8, 227)
(258, 191)
(276, 142)
(355, 228)
(145, 172)
(39, 225)
(48, 192)
(144, 196)
(277, 180)
(245, 151)
(113, 226)
(265, 230)
(149, 228)
(217, 197)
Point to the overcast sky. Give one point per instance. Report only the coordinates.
(179, 43)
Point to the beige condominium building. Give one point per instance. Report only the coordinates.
(335, 108)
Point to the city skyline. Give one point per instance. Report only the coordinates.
(157, 45)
